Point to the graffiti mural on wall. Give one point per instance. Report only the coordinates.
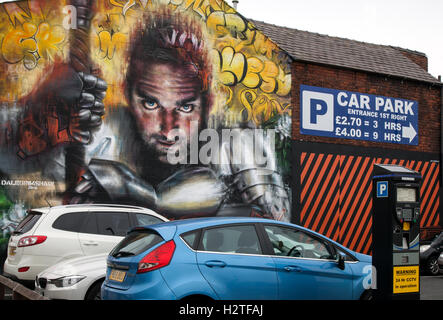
(183, 107)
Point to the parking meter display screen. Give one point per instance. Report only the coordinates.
(406, 195)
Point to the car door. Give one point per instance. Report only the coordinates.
(230, 258)
(306, 266)
(103, 230)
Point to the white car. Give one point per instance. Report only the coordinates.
(73, 279)
(49, 235)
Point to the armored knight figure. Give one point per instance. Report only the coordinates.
(226, 188)
(168, 87)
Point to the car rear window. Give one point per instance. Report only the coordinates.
(136, 242)
(28, 222)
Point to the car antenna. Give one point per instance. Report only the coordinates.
(47, 201)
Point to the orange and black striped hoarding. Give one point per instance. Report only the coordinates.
(333, 191)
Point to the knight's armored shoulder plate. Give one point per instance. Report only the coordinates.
(120, 182)
(247, 158)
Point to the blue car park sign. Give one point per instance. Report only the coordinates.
(351, 115)
(382, 189)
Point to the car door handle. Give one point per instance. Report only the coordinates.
(215, 263)
(292, 269)
(90, 243)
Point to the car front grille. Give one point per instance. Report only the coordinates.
(42, 282)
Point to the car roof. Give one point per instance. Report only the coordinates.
(168, 229)
(96, 207)
(198, 223)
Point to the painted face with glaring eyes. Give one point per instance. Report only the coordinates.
(165, 97)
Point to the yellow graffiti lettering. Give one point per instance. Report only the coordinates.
(197, 5)
(18, 43)
(48, 39)
(15, 13)
(269, 77)
(283, 84)
(126, 5)
(252, 72)
(260, 108)
(263, 45)
(252, 78)
(232, 66)
(247, 98)
(219, 5)
(35, 8)
(226, 23)
(110, 43)
(277, 107)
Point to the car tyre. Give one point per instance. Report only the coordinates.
(94, 293)
(432, 266)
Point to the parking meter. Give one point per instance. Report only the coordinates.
(396, 232)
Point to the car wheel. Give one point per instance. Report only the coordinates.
(94, 292)
(432, 266)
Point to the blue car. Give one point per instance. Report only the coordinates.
(233, 259)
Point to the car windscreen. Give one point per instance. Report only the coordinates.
(136, 242)
(28, 222)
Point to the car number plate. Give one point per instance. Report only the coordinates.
(12, 251)
(117, 275)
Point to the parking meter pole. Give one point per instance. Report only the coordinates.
(396, 232)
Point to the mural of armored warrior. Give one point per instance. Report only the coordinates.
(169, 89)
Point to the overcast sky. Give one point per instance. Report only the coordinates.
(410, 24)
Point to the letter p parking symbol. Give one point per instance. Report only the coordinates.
(317, 111)
(318, 108)
(382, 189)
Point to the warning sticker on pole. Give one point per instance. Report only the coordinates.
(406, 279)
(352, 115)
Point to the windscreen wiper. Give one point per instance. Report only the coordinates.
(123, 254)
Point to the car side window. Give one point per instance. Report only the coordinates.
(344, 254)
(291, 242)
(232, 239)
(191, 238)
(146, 219)
(113, 223)
(70, 221)
(89, 224)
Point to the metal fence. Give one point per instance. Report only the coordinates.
(18, 291)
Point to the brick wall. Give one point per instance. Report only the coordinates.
(428, 97)
(417, 57)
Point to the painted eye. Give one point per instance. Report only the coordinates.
(150, 104)
(187, 108)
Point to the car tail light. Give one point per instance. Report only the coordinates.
(23, 269)
(158, 258)
(31, 241)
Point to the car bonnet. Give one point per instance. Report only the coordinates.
(77, 266)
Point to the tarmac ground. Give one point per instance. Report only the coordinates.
(431, 288)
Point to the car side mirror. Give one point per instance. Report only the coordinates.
(340, 261)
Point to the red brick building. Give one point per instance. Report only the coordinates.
(331, 175)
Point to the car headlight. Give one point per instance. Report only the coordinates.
(66, 281)
(425, 247)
